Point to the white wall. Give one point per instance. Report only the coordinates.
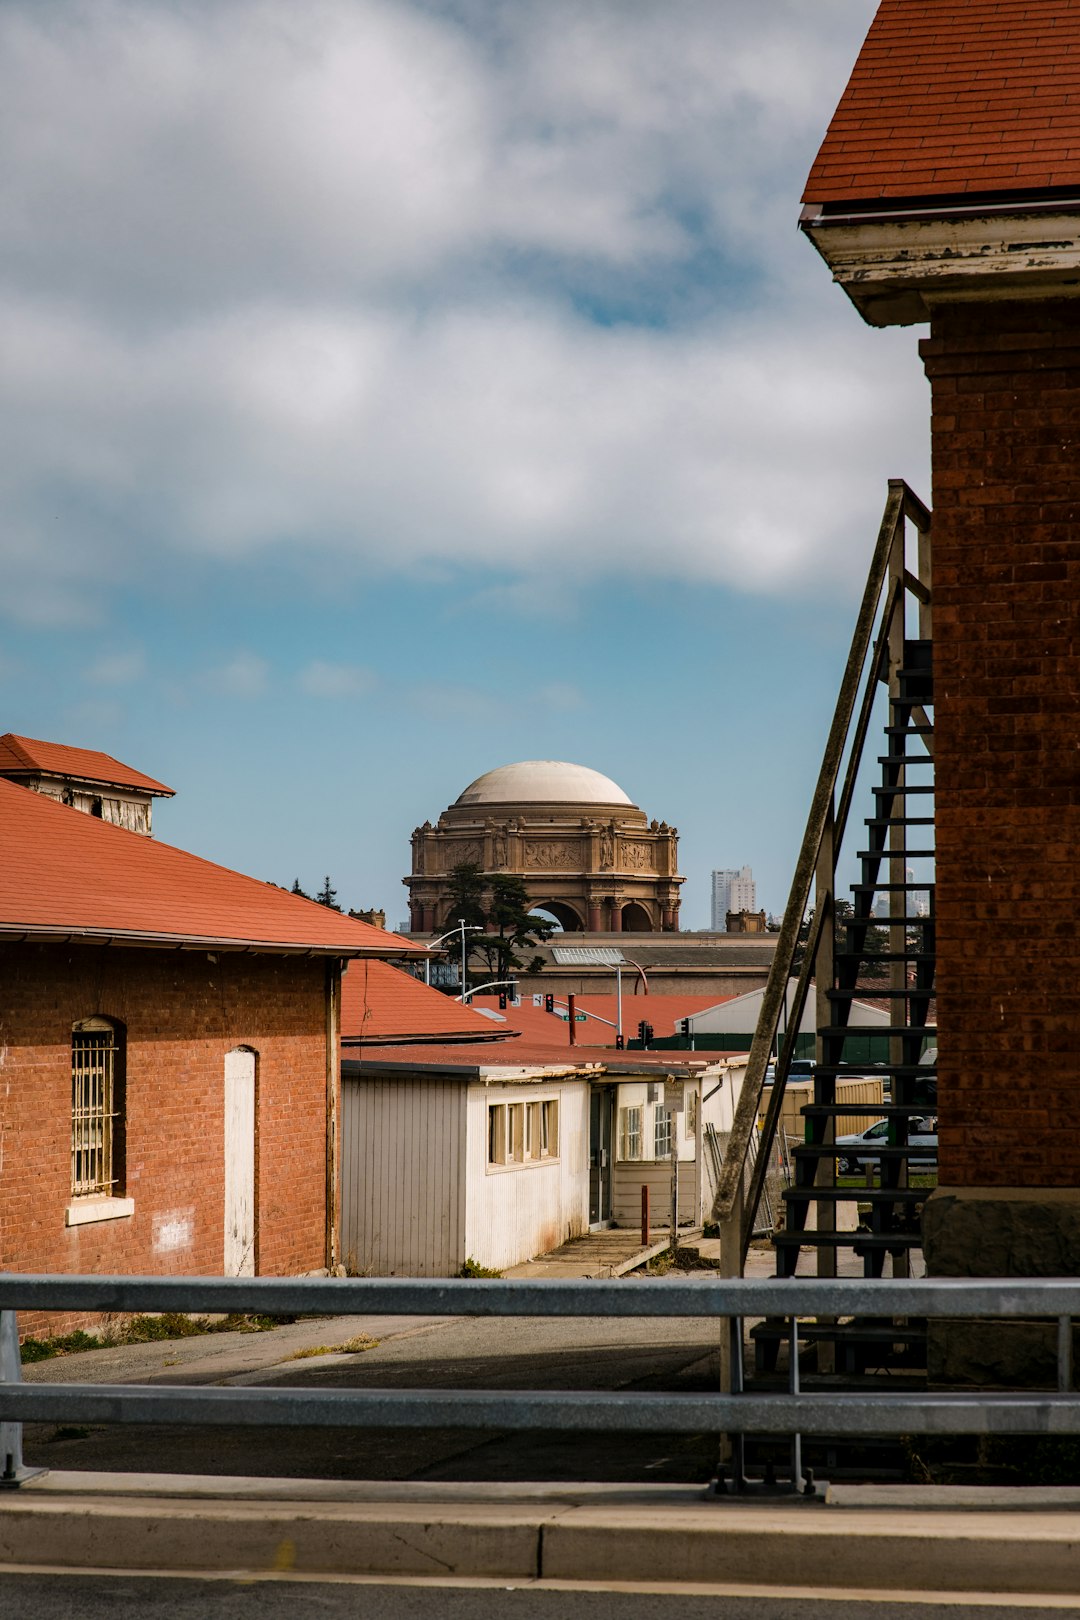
(740, 1015)
(515, 1212)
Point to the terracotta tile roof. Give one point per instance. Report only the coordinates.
(547, 1029)
(950, 97)
(381, 1005)
(529, 1055)
(64, 874)
(26, 756)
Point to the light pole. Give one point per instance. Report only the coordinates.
(462, 927)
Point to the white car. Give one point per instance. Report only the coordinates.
(857, 1150)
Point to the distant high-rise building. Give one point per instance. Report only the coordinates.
(732, 890)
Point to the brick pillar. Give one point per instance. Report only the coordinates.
(1005, 380)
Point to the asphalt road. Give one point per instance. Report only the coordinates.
(461, 1353)
(111, 1597)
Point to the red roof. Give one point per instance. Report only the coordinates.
(957, 96)
(531, 1055)
(68, 875)
(383, 1005)
(26, 756)
(542, 1028)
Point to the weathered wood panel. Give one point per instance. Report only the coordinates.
(403, 1181)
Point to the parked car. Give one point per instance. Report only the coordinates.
(800, 1069)
(854, 1152)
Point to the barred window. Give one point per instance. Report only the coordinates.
(96, 1109)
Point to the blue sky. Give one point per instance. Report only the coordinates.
(393, 391)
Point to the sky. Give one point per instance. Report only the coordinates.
(393, 390)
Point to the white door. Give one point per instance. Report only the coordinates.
(240, 1163)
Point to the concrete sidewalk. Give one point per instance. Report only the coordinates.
(968, 1542)
(609, 1253)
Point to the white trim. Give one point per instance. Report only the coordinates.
(84, 1210)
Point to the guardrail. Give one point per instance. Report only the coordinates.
(727, 1301)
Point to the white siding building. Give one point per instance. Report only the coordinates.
(732, 890)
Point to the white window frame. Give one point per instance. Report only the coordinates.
(522, 1133)
(631, 1133)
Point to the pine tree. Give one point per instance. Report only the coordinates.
(327, 895)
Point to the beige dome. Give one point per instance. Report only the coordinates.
(543, 781)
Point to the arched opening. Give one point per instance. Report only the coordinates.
(636, 920)
(557, 911)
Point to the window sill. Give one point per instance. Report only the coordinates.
(84, 1210)
(522, 1164)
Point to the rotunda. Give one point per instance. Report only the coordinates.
(584, 851)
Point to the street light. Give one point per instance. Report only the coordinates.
(462, 927)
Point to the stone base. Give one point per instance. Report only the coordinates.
(999, 1232)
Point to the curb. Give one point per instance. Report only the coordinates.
(566, 1533)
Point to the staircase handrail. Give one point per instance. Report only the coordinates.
(902, 504)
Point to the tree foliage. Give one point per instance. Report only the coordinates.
(327, 895)
(499, 904)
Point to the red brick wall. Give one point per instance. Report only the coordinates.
(1006, 459)
(182, 1013)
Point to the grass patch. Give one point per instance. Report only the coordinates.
(146, 1330)
(361, 1341)
(473, 1268)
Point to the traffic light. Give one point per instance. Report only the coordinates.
(502, 1000)
(645, 1032)
(549, 1003)
(684, 1027)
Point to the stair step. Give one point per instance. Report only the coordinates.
(886, 854)
(853, 1110)
(886, 956)
(894, 1241)
(828, 1030)
(908, 731)
(907, 788)
(899, 821)
(850, 1332)
(924, 1156)
(860, 1195)
(862, 991)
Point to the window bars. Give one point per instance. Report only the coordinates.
(93, 1094)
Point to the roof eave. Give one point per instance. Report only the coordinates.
(61, 934)
(898, 262)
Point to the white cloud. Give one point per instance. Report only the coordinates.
(117, 669)
(246, 676)
(475, 285)
(323, 680)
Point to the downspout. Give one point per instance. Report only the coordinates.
(333, 1093)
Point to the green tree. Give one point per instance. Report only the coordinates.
(296, 889)
(327, 895)
(499, 904)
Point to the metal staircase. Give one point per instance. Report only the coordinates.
(892, 649)
(901, 830)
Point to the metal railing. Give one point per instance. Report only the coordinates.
(888, 586)
(726, 1301)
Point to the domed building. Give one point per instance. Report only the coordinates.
(585, 852)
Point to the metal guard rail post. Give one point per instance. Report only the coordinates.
(723, 1300)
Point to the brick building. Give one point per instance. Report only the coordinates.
(947, 191)
(169, 1047)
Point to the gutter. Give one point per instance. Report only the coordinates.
(18, 933)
